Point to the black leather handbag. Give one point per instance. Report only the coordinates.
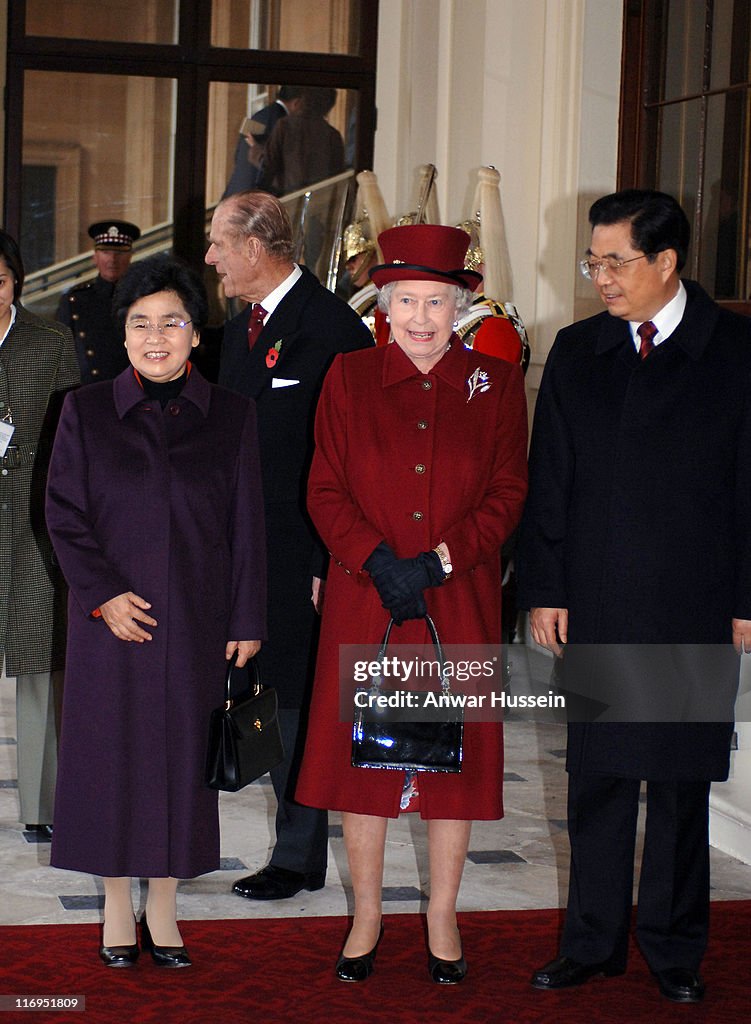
(245, 740)
(382, 738)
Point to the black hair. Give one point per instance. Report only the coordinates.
(289, 92)
(657, 220)
(10, 252)
(161, 273)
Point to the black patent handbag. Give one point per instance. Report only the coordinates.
(383, 739)
(245, 739)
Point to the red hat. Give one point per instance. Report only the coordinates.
(424, 252)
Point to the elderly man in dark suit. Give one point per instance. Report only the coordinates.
(277, 352)
(637, 538)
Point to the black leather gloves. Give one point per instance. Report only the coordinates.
(400, 581)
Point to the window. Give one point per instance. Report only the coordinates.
(685, 127)
(131, 109)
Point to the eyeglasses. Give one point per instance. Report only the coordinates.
(591, 268)
(168, 325)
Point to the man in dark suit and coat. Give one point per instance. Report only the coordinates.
(277, 352)
(637, 537)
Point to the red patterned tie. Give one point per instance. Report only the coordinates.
(646, 332)
(255, 324)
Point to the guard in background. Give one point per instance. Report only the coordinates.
(86, 308)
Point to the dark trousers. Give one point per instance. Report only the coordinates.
(302, 833)
(673, 906)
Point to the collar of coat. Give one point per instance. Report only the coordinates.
(128, 392)
(692, 334)
(450, 368)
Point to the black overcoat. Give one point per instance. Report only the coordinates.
(638, 518)
(167, 504)
(309, 326)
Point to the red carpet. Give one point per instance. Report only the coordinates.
(281, 972)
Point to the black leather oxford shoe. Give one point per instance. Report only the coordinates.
(680, 985)
(565, 973)
(273, 883)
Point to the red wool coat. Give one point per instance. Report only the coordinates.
(409, 458)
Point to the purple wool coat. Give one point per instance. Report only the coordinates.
(167, 504)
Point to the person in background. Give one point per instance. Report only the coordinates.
(303, 148)
(87, 307)
(251, 145)
(636, 539)
(277, 351)
(154, 508)
(418, 477)
(37, 367)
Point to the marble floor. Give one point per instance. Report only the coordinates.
(517, 863)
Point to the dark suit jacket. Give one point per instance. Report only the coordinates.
(638, 518)
(308, 328)
(246, 172)
(87, 310)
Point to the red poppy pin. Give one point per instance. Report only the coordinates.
(273, 354)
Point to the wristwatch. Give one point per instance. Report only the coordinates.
(445, 563)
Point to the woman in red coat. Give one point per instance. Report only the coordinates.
(155, 512)
(418, 477)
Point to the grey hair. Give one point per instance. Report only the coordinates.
(262, 216)
(463, 298)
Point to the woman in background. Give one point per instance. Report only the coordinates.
(37, 366)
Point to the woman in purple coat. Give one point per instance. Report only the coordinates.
(155, 511)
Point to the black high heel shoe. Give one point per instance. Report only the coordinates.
(119, 956)
(446, 972)
(163, 956)
(357, 968)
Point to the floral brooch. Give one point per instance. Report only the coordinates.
(272, 355)
(478, 382)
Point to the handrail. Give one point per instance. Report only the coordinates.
(42, 288)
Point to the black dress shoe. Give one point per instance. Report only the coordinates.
(357, 968)
(43, 831)
(446, 972)
(119, 956)
(565, 973)
(163, 956)
(273, 883)
(680, 984)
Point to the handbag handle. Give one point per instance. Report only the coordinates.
(255, 684)
(445, 684)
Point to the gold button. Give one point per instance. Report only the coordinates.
(82, 334)
(419, 468)
(89, 352)
(417, 516)
(427, 385)
(95, 372)
(75, 316)
(422, 424)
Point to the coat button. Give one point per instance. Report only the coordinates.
(95, 372)
(75, 316)
(5, 472)
(82, 334)
(417, 516)
(419, 468)
(89, 352)
(427, 385)
(174, 410)
(422, 424)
